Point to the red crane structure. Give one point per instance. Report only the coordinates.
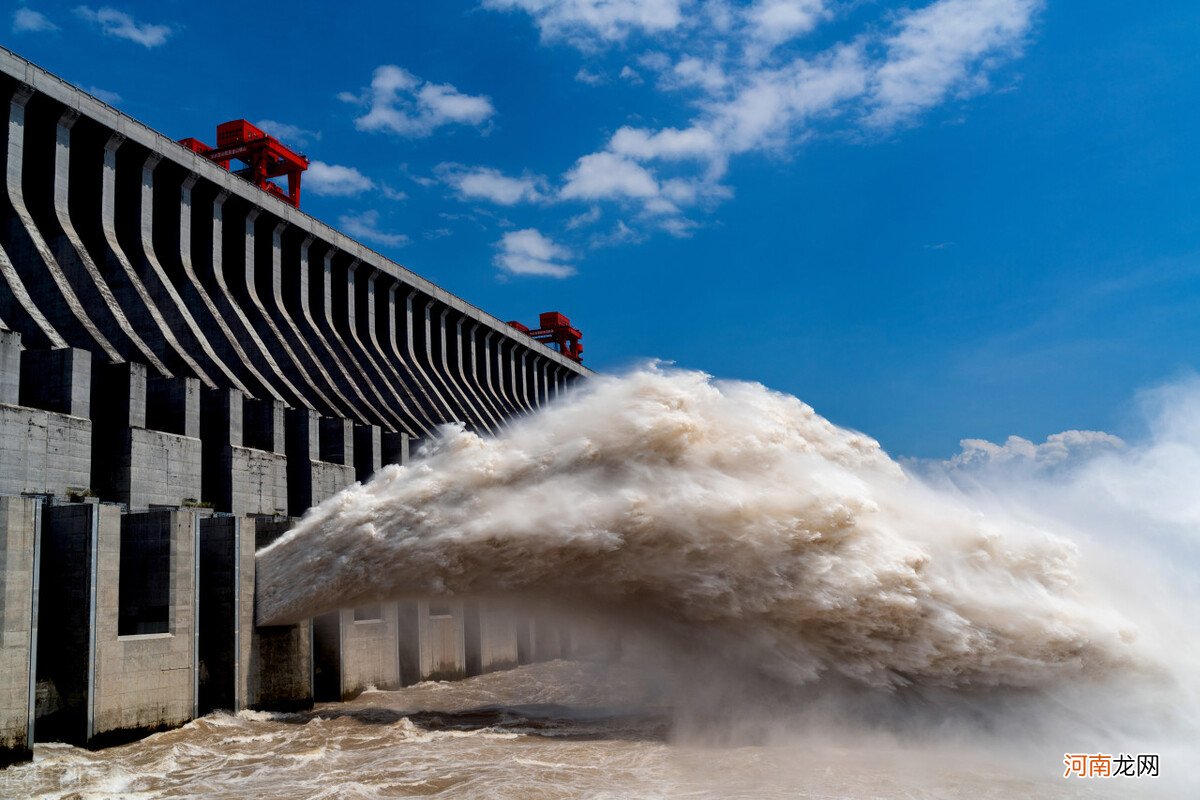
(555, 331)
(264, 156)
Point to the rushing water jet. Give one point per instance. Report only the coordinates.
(721, 509)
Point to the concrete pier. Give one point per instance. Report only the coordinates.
(19, 554)
(187, 365)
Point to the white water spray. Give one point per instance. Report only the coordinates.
(723, 510)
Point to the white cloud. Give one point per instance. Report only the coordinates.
(584, 75)
(26, 20)
(774, 22)
(289, 134)
(400, 102)
(121, 25)
(103, 95)
(485, 183)
(607, 176)
(692, 71)
(757, 95)
(944, 47)
(1057, 448)
(528, 252)
(668, 144)
(774, 102)
(365, 226)
(334, 180)
(584, 23)
(588, 217)
(620, 234)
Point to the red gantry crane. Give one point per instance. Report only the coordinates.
(555, 331)
(264, 156)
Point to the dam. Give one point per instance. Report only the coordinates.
(187, 364)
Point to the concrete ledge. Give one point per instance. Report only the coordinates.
(19, 545)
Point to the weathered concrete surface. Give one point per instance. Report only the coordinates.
(18, 609)
(44, 451)
(491, 637)
(146, 435)
(117, 633)
(356, 649)
(244, 466)
(144, 681)
(281, 658)
(317, 453)
(226, 605)
(442, 628)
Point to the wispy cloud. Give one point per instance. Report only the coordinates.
(584, 21)
(584, 75)
(26, 20)
(366, 226)
(754, 95)
(528, 252)
(485, 183)
(335, 180)
(401, 103)
(112, 98)
(943, 48)
(123, 26)
(289, 134)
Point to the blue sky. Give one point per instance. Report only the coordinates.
(930, 220)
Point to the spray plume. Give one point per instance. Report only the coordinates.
(720, 507)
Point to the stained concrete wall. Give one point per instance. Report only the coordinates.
(147, 449)
(244, 461)
(370, 650)
(144, 681)
(356, 649)
(496, 637)
(441, 625)
(226, 605)
(96, 684)
(280, 674)
(45, 433)
(19, 543)
(320, 458)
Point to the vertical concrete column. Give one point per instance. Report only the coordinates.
(259, 467)
(302, 445)
(497, 636)
(319, 463)
(337, 441)
(441, 626)
(45, 430)
(10, 367)
(262, 425)
(226, 607)
(394, 447)
(173, 405)
(147, 438)
(220, 432)
(120, 393)
(281, 667)
(368, 455)
(370, 649)
(19, 554)
(144, 625)
(57, 380)
(67, 611)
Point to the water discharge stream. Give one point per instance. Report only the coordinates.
(724, 511)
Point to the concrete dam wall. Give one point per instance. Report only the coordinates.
(187, 364)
